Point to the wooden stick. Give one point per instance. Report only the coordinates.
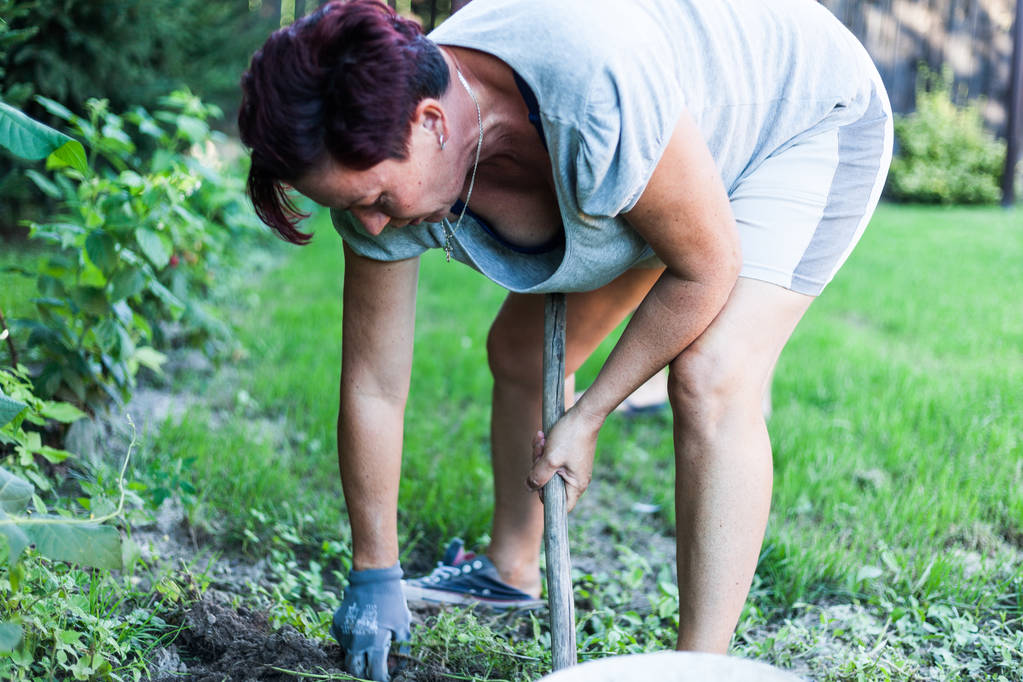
(555, 522)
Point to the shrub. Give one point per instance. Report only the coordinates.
(13, 10)
(128, 52)
(134, 248)
(945, 155)
(132, 52)
(63, 615)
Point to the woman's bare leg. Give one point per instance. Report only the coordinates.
(514, 350)
(723, 457)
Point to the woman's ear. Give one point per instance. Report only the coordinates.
(431, 118)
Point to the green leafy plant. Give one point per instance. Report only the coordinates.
(306, 577)
(85, 335)
(137, 243)
(80, 623)
(163, 205)
(21, 449)
(65, 612)
(945, 155)
(11, 37)
(129, 51)
(55, 536)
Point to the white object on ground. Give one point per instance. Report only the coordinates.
(671, 666)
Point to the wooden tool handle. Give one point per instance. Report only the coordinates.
(555, 515)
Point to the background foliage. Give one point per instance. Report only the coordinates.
(144, 213)
(129, 52)
(133, 248)
(944, 153)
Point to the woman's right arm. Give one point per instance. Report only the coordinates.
(378, 322)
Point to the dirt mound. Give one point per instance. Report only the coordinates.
(218, 642)
(221, 643)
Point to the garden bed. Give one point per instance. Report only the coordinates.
(893, 549)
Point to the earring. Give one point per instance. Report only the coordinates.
(442, 141)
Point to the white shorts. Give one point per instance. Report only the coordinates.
(801, 211)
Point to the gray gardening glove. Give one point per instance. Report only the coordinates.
(372, 614)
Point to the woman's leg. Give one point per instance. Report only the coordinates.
(723, 456)
(514, 351)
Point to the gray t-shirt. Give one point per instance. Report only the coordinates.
(612, 79)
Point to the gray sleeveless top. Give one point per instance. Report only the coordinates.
(612, 79)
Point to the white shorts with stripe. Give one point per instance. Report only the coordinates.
(801, 212)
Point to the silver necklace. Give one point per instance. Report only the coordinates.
(448, 231)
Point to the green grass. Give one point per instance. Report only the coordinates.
(898, 433)
(898, 419)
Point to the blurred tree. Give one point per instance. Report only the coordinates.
(13, 93)
(131, 52)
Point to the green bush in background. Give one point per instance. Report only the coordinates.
(13, 11)
(136, 242)
(134, 247)
(129, 52)
(32, 631)
(945, 155)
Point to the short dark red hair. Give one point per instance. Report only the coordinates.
(342, 84)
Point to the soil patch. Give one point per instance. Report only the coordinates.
(218, 642)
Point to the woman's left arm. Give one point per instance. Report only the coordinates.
(685, 216)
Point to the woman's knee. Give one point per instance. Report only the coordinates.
(704, 384)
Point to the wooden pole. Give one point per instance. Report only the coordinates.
(287, 12)
(1014, 129)
(560, 599)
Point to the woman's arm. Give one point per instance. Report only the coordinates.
(378, 321)
(684, 214)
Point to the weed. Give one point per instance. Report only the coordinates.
(474, 646)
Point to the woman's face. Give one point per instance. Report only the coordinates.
(394, 192)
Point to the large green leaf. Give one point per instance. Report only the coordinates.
(72, 154)
(55, 537)
(87, 544)
(102, 250)
(151, 358)
(173, 303)
(153, 247)
(192, 129)
(126, 283)
(29, 139)
(91, 299)
(17, 540)
(15, 492)
(9, 409)
(44, 184)
(10, 636)
(62, 412)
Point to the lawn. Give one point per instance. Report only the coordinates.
(896, 537)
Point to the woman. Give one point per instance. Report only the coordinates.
(708, 165)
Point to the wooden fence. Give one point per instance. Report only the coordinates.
(971, 37)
